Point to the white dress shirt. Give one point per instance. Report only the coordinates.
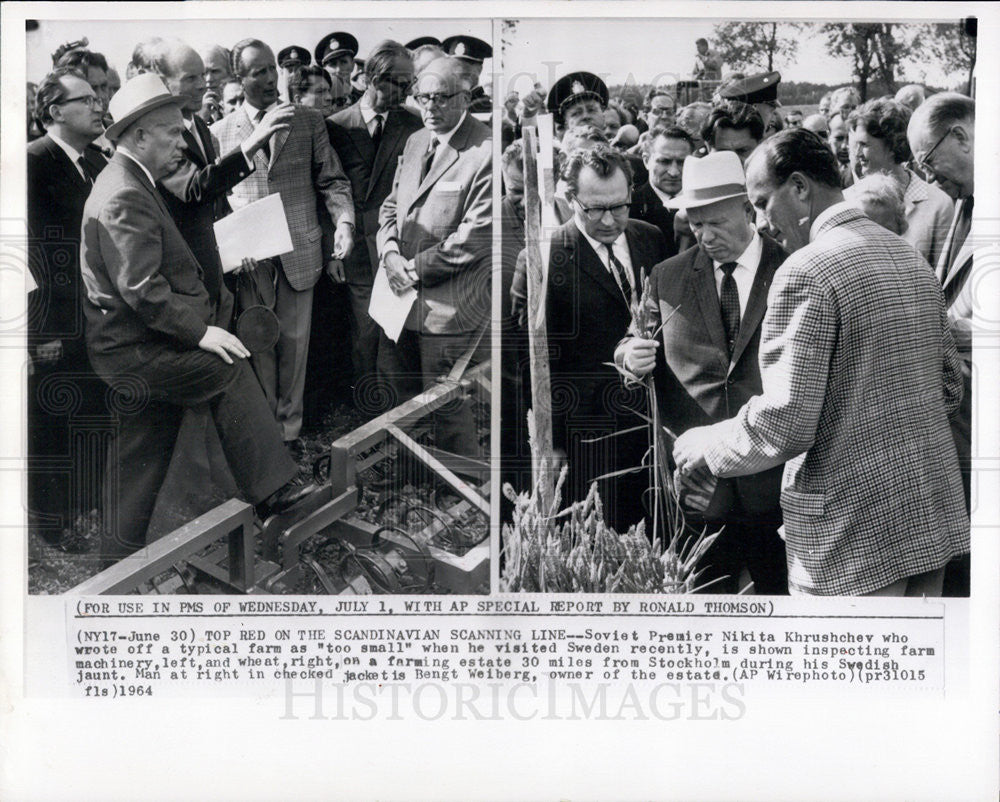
(745, 272)
(620, 249)
(368, 114)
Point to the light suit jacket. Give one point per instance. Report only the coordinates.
(859, 374)
(302, 168)
(444, 224)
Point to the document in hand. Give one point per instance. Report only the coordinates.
(388, 309)
(258, 230)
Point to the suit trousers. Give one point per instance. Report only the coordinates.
(162, 383)
(282, 369)
(747, 543)
(364, 331)
(414, 364)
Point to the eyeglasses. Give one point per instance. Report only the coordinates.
(437, 98)
(924, 163)
(596, 213)
(88, 100)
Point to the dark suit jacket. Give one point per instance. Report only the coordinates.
(144, 285)
(371, 174)
(56, 196)
(195, 194)
(697, 382)
(647, 206)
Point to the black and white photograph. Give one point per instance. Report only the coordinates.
(737, 306)
(267, 370)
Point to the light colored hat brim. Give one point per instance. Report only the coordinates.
(683, 201)
(117, 128)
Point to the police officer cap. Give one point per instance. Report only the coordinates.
(761, 88)
(574, 87)
(294, 56)
(335, 44)
(467, 47)
(420, 41)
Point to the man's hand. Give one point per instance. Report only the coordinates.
(696, 488)
(49, 352)
(277, 119)
(335, 270)
(343, 240)
(395, 269)
(221, 343)
(690, 448)
(248, 264)
(638, 355)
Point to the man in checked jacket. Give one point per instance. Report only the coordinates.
(859, 373)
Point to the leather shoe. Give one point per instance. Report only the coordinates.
(284, 498)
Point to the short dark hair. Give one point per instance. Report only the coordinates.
(236, 56)
(380, 60)
(83, 60)
(299, 78)
(735, 115)
(51, 90)
(945, 109)
(796, 150)
(602, 159)
(885, 120)
(668, 132)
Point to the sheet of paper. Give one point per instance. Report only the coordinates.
(388, 309)
(259, 230)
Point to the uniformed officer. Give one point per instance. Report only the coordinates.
(335, 53)
(289, 60)
(760, 91)
(472, 52)
(578, 98)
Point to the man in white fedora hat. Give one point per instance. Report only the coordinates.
(152, 334)
(712, 298)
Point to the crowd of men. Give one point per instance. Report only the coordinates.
(135, 330)
(809, 279)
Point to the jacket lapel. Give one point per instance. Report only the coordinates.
(58, 155)
(703, 281)
(277, 143)
(192, 150)
(390, 139)
(589, 262)
(757, 302)
(205, 138)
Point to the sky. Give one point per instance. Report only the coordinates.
(116, 39)
(650, 50)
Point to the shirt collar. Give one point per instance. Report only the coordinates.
(445, 138)
(599, 247)
(252, 110)
(825, 215)
(367, 112)
(750, 258)
(68, 149)
(661, 195)
(124, 152)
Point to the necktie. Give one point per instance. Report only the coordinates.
(620, 273)
(429, 158)
(267, 142)
(86, 170)
(377, 133)
(729, 298)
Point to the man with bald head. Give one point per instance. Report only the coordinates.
(217, 68)
(153, 333)
(818, 124)
(435, 231)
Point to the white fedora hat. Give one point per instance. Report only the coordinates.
(139, 95)
(715, 177)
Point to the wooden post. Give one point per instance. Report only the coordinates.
(538, 348)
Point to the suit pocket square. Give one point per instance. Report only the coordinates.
(449, 186)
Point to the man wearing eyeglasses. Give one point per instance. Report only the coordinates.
(62, 166)
(435, 234)
(369, 138)
(596, 264)
(941, 133)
